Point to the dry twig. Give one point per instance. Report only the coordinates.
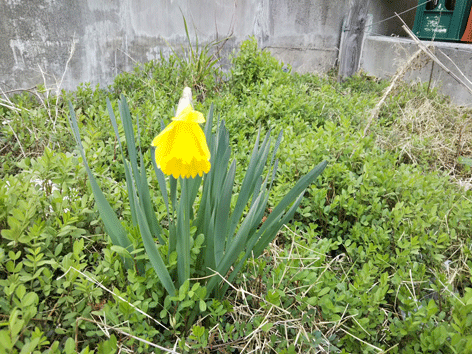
(398, 76)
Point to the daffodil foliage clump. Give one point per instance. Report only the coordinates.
(224, 241)
(377, 256)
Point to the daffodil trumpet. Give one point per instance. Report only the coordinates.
(181, 149)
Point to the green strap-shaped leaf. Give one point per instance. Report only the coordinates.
(139, 173)
(148, 207)
(257, 189)
(208, 126)
(276, 146)
(173, 191)
(221, 160)
(204, 221)
(128, 175)
(254, 171)
(161, 180)
(129, 134)
(222, 213)
(264, 238)
(203, 218)
(112, 225)
(183, 234)
(274, 172)
(271, 232)
(261, 208)
(298, 189)
(152, 250)
(245, 192)
(235, 247)
(193, 186)
(260, 239)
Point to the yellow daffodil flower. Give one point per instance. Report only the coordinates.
(181, 148)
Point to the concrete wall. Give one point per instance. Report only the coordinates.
(383, 55)
(306, 33)
(110, 36)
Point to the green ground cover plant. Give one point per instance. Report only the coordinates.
(377, 258)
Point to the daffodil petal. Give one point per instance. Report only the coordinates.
(181, 150)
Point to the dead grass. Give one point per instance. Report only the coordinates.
(427, 129)
(298, 325)
(283, 323)
(431, 132)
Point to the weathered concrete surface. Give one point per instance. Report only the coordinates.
(306, 33)
(110, 36)
(383, 55)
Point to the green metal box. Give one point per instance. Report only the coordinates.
(443, 20)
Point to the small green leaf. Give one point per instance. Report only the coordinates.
(20, 291)
(266, 328)
(5, 340)
(202, 305)
(29, 299)
(69, 347)
(120, 251)
(324, 291)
